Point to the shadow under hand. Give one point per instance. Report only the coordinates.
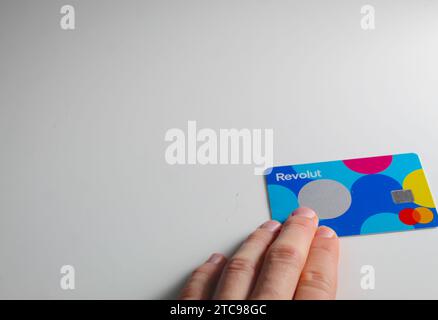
(173, 292)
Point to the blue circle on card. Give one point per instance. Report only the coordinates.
(383, 222)
(282, 201)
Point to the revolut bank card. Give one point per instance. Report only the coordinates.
(356, 196)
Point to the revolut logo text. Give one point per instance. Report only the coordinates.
(301, 175)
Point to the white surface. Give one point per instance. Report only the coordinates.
(83, 115)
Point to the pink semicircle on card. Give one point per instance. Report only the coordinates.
(369, 165)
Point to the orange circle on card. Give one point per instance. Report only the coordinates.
(423, 215)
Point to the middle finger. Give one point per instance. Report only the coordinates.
(286, 257)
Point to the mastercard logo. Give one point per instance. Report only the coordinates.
(411, 216)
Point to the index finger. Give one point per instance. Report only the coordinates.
(319, 277)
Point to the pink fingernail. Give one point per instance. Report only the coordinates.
(325, 232)
(304, 212)
(215, 258)
(271, 225)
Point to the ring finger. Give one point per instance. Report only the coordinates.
(239, 275)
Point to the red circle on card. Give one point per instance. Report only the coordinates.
(408, 216)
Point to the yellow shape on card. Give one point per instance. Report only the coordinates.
(416, 181)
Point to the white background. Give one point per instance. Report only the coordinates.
(83, 114)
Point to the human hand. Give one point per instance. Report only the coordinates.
(296, 260)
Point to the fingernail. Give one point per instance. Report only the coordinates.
(325, 232)
(304, 212)
(215, 258)
(271, 225)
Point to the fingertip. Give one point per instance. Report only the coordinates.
(325, 232)
(271, 225)
(216, 258)
(305, 212)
